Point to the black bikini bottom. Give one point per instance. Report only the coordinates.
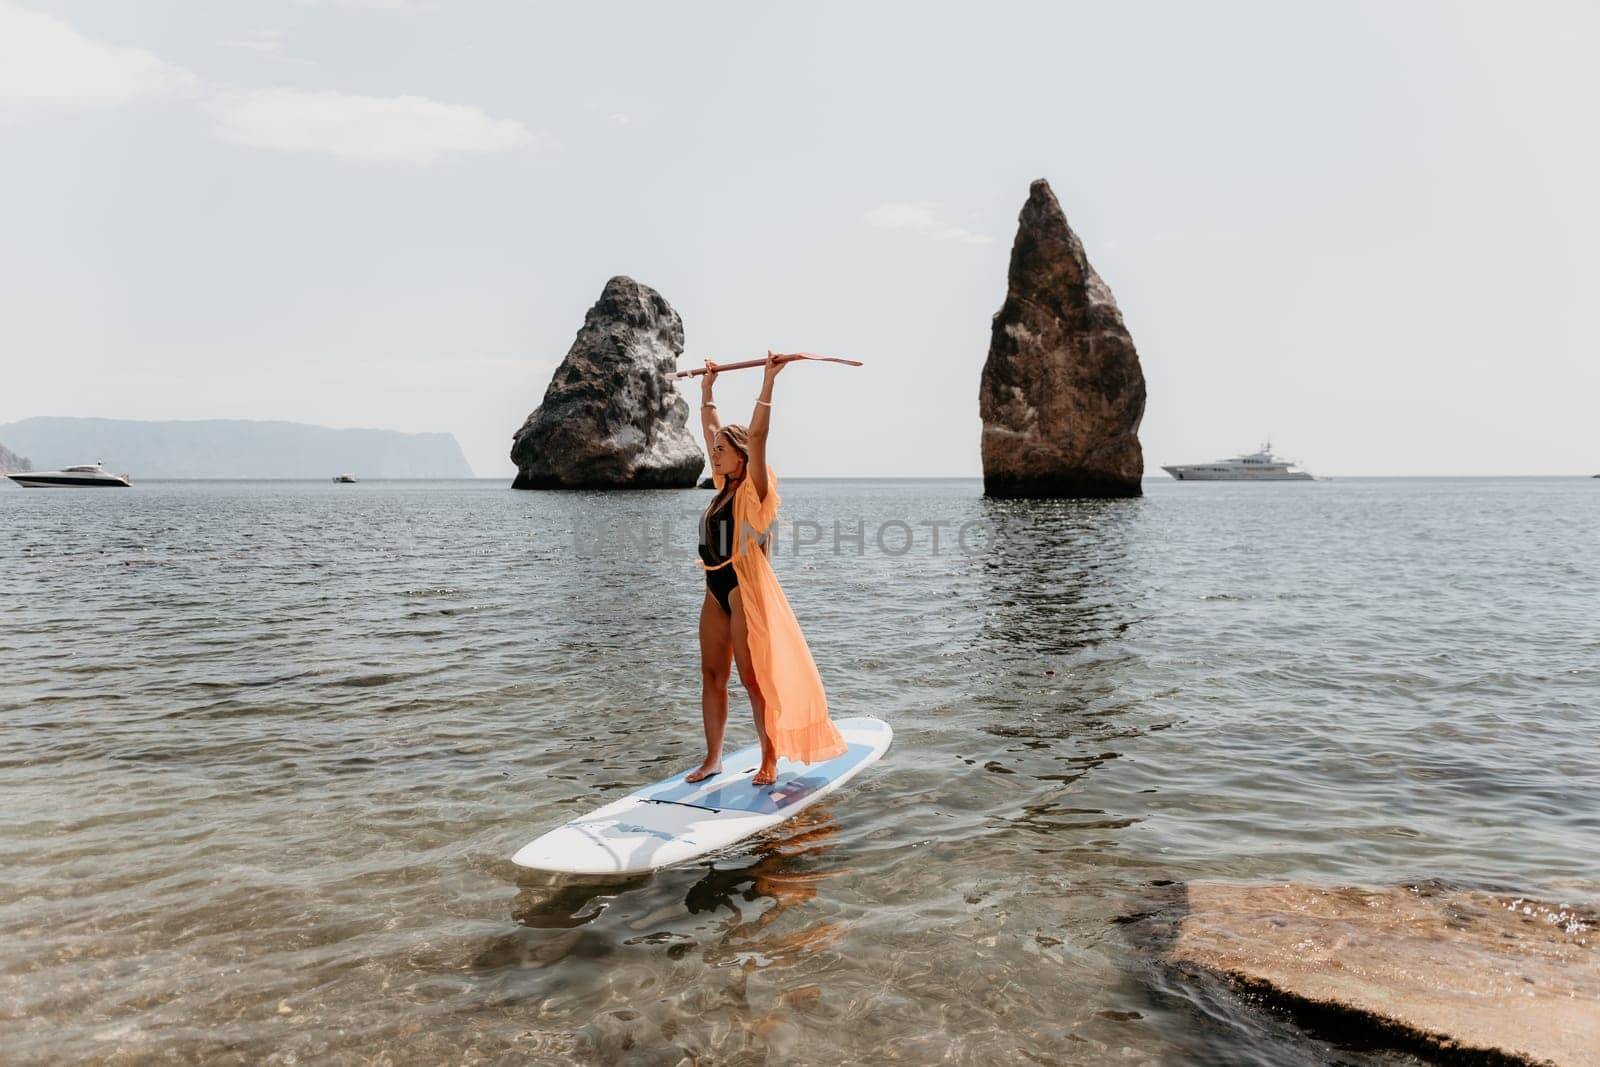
(721, 582)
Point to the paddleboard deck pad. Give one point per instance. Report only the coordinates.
(675, 821)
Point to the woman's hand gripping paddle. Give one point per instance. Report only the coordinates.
(786, 358)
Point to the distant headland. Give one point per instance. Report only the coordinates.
(233, 448)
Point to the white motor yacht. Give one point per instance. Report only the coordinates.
(89, 475)
(1259, 466)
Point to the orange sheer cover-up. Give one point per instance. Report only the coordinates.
(797, 708)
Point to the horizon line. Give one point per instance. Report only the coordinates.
(825, 478)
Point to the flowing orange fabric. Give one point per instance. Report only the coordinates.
(797, 708)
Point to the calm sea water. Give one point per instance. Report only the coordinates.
(265, 750)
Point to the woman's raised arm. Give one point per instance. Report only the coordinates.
(760, 421)
(709, 423)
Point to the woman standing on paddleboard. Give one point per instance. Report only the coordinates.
(745, 620)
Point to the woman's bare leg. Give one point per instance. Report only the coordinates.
(758, 702)
(716, 658)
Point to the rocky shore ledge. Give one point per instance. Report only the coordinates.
(1463, 975)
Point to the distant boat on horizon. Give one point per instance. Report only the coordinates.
(83, 476)
(346, 479)
(1258, 466)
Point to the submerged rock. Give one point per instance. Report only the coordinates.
(1452, 970)
(611, 418)
(1062, 392)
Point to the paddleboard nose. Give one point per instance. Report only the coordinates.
(639, 838)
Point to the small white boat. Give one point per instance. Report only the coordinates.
(346, 479)
(85, 476)
(1258, 466)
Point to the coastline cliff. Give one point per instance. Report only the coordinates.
(235, 448)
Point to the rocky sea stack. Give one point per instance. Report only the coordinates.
(1062, 392)
(611, 418)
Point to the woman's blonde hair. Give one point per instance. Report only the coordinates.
(739, 437)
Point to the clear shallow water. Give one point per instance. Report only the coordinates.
(265, 750)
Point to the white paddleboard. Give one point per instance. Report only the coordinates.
(675, 821)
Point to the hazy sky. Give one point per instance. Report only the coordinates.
(1370, 230)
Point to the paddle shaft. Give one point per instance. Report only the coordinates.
(762, 363)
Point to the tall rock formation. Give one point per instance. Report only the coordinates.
(611, 418)
(1062, 392)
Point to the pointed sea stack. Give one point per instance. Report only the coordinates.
(611, 418)
(1062, 392)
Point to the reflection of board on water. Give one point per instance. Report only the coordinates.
(752, 883)
(674, 820)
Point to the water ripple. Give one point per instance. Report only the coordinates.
(267, 748)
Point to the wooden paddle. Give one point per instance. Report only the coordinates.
(787, 358)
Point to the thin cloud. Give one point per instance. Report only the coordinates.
(264, 41)
(378, 129)
(370, 5)
(921, 216)
(268, 44)
(45, 63)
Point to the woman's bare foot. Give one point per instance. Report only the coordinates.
(768, 773)
(705, 770)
